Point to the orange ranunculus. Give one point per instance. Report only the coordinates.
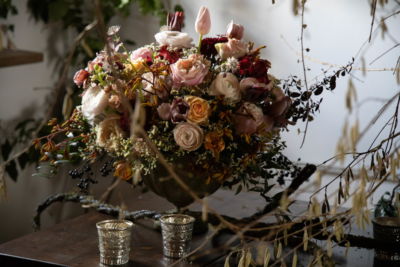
(123, 170)
(199, 109)
(215, 143)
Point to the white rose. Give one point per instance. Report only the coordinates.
(174, 39)
(226, 84)
(94, 101)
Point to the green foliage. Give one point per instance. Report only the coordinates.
(6, 7)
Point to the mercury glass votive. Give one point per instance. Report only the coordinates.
(176, 234)
(114, 241)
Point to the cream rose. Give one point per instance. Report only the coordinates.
(199, 109)
(226, 84)
(188, 136)
(94, 101)
(233, 48)
(108, 131)
(174, 39)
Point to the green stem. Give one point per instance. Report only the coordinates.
(200, 38)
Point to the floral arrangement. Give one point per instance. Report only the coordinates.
(213, 106)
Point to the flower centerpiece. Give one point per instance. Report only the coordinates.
(211, 110)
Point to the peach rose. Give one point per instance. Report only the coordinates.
(188, 136)
(190, 71)
(199, 109)
(233, 48)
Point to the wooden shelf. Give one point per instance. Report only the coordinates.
(10, 57)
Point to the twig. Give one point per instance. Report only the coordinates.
(373, 6)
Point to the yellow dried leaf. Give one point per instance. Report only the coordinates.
(279, 251)
(267, 257)
(245, 260)
(305, 239)
(294, 260)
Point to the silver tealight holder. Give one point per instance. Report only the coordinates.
(176, 234)
(114, 241)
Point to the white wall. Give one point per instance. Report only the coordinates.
(336, 30)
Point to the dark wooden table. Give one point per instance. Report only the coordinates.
(74, 242)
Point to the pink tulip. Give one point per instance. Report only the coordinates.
(203, 21)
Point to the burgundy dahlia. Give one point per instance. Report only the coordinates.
(208, 46)
(250, 66)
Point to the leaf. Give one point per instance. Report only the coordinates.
(2, 182)
(23, 159)
(11, 169)
(58, 9)
(6, 149)
(239, 189)
(226, 264)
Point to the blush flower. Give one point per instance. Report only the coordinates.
(199, 109)
(233, 48)
(188, 136)
(142, 53)
(189, 71)
(250, 118)
(234, 30)
(164, 111)
(174, 39)
(226, 84)
(253, 91)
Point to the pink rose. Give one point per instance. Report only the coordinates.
(142, 53)
(189, 71)
(233, 48)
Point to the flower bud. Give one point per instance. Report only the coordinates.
(175, 21)
(203, 21)
(234, 31)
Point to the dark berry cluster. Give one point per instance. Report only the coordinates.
(107, 168)
(85, 176)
